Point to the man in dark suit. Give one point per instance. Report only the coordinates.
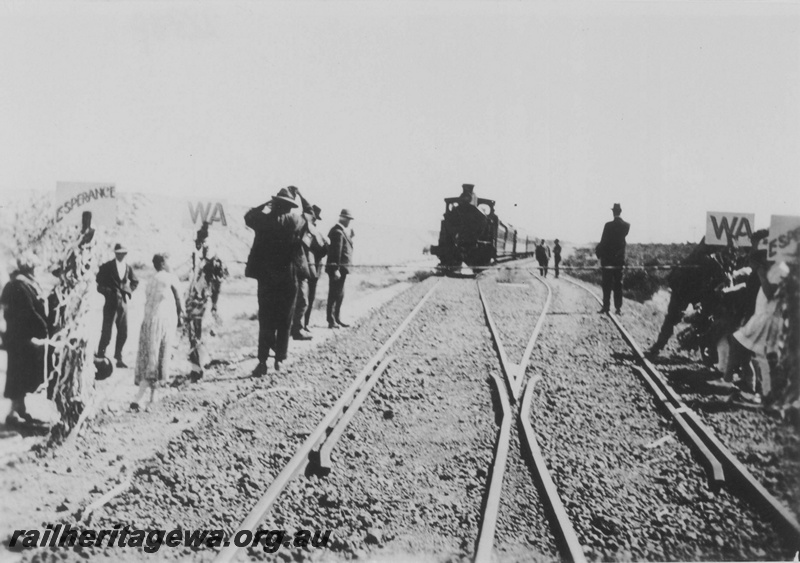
(274, 263)
(116, 281)
(556, 255)
(340, 255)
(611, 252)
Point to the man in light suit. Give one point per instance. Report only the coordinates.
(340, 255)
(116, 282)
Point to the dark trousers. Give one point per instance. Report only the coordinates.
(300, 306)
(195, 330)
(677, 305)
(543, 268)
(335, 297)
(557, 262)
(276, 302)
(612, 280)
(312, 293)
(114, 313)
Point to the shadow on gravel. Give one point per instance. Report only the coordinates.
(690, 381)
(713, 406)
(671, 361)
(621, 358)
(24, 429)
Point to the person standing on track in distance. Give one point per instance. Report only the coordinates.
(340, 254)
(316, 252)
(116, 282)
(542, 257)
(556, 255)
(611, 252)
(272, 262)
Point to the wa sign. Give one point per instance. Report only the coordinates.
(784, 234)
(729, 228)
(201, 211)
(73, 198)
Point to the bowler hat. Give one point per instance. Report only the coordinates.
(346, 214)
(556, 241)
(120, 249)
(285, 196)
(617, 208)
(316, 210)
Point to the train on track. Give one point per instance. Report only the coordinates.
(472, 234)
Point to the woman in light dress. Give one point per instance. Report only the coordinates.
(162, 316)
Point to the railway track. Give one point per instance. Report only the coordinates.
(321, 441)
(314, 456)
(515, 399)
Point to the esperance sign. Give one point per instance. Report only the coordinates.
(73, 198)
(784, 234)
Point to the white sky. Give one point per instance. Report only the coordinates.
(554, 110)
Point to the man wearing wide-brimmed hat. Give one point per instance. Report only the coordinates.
(611, 252)
(116, 281)
(340, 254)
(273, 263)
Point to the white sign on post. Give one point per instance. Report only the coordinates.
(73, 198)
(729, 228)
(784, 234)
(198, 212)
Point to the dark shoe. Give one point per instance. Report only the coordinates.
(345, 325)
(134, 407)
(278, 365)
(195, 376)
(121, 364)
(652, 352)
(306, 329)
(260, 370)
(603, 311)
(618, 312)
(301, 336)
(333, 325)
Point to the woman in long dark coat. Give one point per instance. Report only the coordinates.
(26, 325)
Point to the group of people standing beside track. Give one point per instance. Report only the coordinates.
(286, 261)
(542, 255)
(745, 321)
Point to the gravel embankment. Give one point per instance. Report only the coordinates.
(630, 486)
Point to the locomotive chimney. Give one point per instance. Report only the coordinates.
(467, 195)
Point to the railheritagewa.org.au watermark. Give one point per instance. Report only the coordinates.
(152, 540)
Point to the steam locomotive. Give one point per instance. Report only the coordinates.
(472, 234)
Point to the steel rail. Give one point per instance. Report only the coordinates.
(333, 438)
(301, 457)
(526, 356)
(738, 477)
(485, 543)
(510, 370)
(714, 470)
(571, 546)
